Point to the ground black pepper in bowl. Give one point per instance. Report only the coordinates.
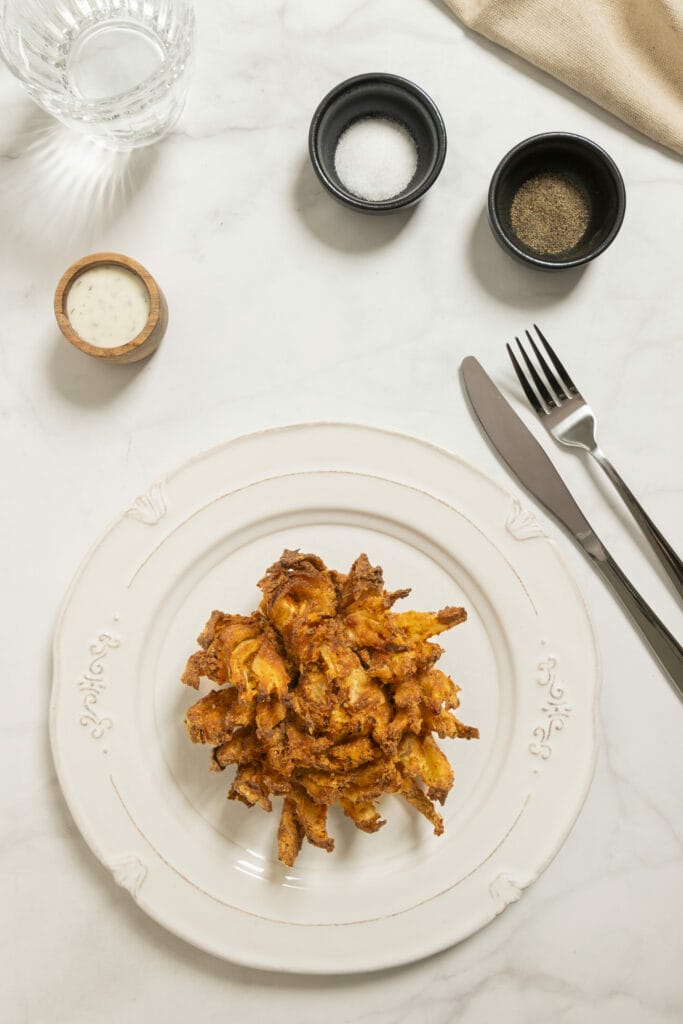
(549, 214)
(555, 201)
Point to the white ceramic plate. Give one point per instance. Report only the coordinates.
(142, 795)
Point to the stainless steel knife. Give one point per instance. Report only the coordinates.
(527, 460)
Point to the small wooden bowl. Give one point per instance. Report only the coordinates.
(144, 343)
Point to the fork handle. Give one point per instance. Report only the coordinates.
(664, 646)
(660, 545)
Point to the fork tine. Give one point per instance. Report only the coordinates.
(549, 375)
(566, 379)
(536, 377)
(528, 390)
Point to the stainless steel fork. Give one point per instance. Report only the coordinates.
(568, 417)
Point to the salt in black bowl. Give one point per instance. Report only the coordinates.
(384, 96)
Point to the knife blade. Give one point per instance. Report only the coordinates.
(520, 449)
(530, 464)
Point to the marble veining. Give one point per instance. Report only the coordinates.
(284, 307)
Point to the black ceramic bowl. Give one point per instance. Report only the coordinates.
(378, 95)
(584, 163)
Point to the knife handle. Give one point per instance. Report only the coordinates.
(660, 545)
(665, 647)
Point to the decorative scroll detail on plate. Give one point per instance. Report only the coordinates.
(504, 891)
(556, 710)
(93, 683)
(149, 508)
(129, 872)
(521, 523)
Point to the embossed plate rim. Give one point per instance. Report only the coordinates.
(506, 883)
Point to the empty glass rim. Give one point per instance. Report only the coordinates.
(141, 93)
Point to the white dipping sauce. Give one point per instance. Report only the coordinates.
(108, 305)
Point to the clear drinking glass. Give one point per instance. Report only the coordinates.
(115, 69)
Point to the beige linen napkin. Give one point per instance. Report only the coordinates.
(626, 55)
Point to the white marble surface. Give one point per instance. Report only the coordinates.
(286, 307)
